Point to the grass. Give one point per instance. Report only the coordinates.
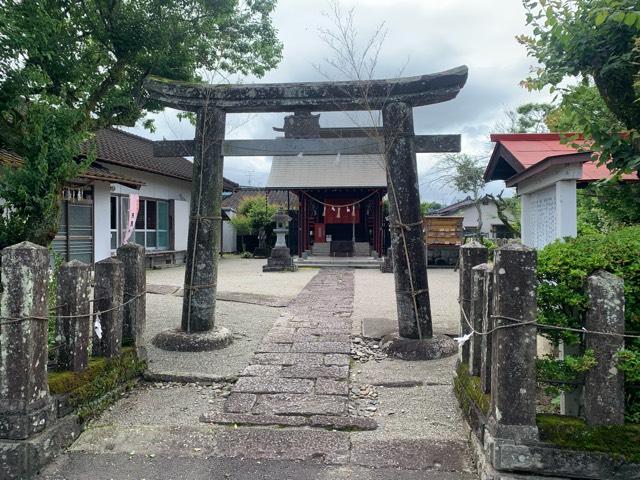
(467, 389)
(619, 441)
(87, 389)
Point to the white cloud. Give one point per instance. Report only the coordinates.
(424, 36)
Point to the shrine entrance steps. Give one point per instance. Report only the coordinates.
(326, 261)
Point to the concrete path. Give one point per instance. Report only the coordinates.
(242, 275)
(374, 310)
(290, 406)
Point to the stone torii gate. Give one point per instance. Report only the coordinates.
(396, 98)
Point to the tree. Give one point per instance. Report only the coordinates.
(592, 40)
(68, 68)
(504, 206)
(527, 118)
(427, 207)
(254, 213)
(603, 208)
(579, 104)
(465, 173)
(242, 224)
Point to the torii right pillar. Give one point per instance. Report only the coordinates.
(407, 238)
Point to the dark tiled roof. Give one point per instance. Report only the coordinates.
(128, 150)
(100, 172)
(94, 172)
(276, 197)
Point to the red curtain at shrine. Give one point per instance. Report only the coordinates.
(333, 214)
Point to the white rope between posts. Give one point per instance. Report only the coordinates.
(97, 313)
(341, 206)
(521, 323)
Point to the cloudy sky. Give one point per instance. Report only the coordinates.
(423, 36)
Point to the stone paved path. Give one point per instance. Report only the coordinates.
(300, 373)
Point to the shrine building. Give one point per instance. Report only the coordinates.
(340, 196)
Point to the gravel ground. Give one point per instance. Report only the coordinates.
(248, 323)
(243, 275)
(164, 403)
(375, 299)
(426, 409)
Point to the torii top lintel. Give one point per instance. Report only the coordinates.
(311, 96)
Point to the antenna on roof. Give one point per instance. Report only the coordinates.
(249, 176)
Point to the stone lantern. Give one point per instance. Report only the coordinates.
(280, 259)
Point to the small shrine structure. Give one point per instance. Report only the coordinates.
(546, 172)
(340, 196)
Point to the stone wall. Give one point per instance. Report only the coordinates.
(496, 376)
(34, 424)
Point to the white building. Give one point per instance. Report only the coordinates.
(492, 226)
(95, 207)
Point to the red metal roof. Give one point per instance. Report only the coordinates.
(516, 152)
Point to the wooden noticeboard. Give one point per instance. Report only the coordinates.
(443, 230)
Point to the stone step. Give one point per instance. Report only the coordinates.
(339, 263)
(362, 249)
(79, 466)
(350, 423)
(321, 249)
(354, 449)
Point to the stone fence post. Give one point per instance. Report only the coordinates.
(476, 311)
(135, 283)
(73, 301)
(471, 254)
(513, 382)
(108, 294)
(25, 405)
(486, 347)
(604, 383)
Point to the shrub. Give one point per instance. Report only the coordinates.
(563, 268)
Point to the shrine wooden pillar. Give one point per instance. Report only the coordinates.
(408, 246)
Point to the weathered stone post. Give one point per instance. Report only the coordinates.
(604, 383)
(25, 405)
(132, 257)
(487, 325)
(108, 295)
(204, 227)
(387, 262)
(73, 301)
(477, 307)
(471, 254)
(197, 332)
(513, 385)
(407, 239)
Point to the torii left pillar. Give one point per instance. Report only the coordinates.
(199, 305)
(197, 331)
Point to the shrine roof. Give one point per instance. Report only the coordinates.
(520, 155)
(327, 171)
